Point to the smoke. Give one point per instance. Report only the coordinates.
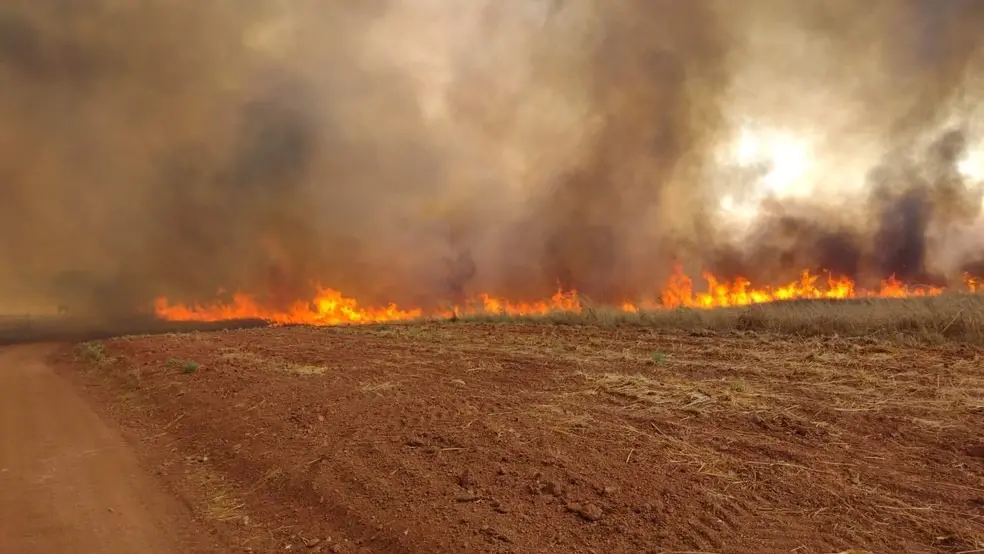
(876, 173)
(424, 151)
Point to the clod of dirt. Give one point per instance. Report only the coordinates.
(416, 442)
(609, 490)
(467, 496)
(466, 480)
(976, 451)
(336, 548)
(495, 534)
(587, 512)
(554, 488)
(500, 507)
(311, 543)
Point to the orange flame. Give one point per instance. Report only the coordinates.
(330, 307)
(973, 284)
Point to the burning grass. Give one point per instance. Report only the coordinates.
(331, 307)
(810, 306)
(927, 319)
(950, 316)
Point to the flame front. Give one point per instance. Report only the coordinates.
(679, 292)
(331, 307)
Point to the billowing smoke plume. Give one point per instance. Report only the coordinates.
(890, 92)
(420, 152)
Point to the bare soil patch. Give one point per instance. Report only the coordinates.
(69, 482)
(495, 437)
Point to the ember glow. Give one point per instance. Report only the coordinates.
(330, 307)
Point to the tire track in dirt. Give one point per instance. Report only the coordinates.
(68, 482)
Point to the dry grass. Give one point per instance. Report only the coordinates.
(948, 317)
(219, 501)
(377, 388)
(272, 362)
(653, 392)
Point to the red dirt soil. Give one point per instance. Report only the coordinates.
(69, 482)
(434, 438)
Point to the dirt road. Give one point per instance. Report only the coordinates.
(68, 481)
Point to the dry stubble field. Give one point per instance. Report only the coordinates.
(809, 428)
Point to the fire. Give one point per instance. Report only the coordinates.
(679, 291)
(561, 301)
(331, 307)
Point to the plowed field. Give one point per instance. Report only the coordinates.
(522, 438)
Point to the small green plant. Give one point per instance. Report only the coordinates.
(186, 366)
(659, 358)
(92, 352)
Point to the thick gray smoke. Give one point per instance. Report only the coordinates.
(424, 151)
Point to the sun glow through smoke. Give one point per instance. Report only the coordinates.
(971, 166)
(767, 163)
(785, 157)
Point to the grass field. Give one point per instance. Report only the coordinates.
(931, 319)
(797, 427)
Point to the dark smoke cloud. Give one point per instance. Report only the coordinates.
(918, 212)
(654, 80)
(916, 199)
(421, 152)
